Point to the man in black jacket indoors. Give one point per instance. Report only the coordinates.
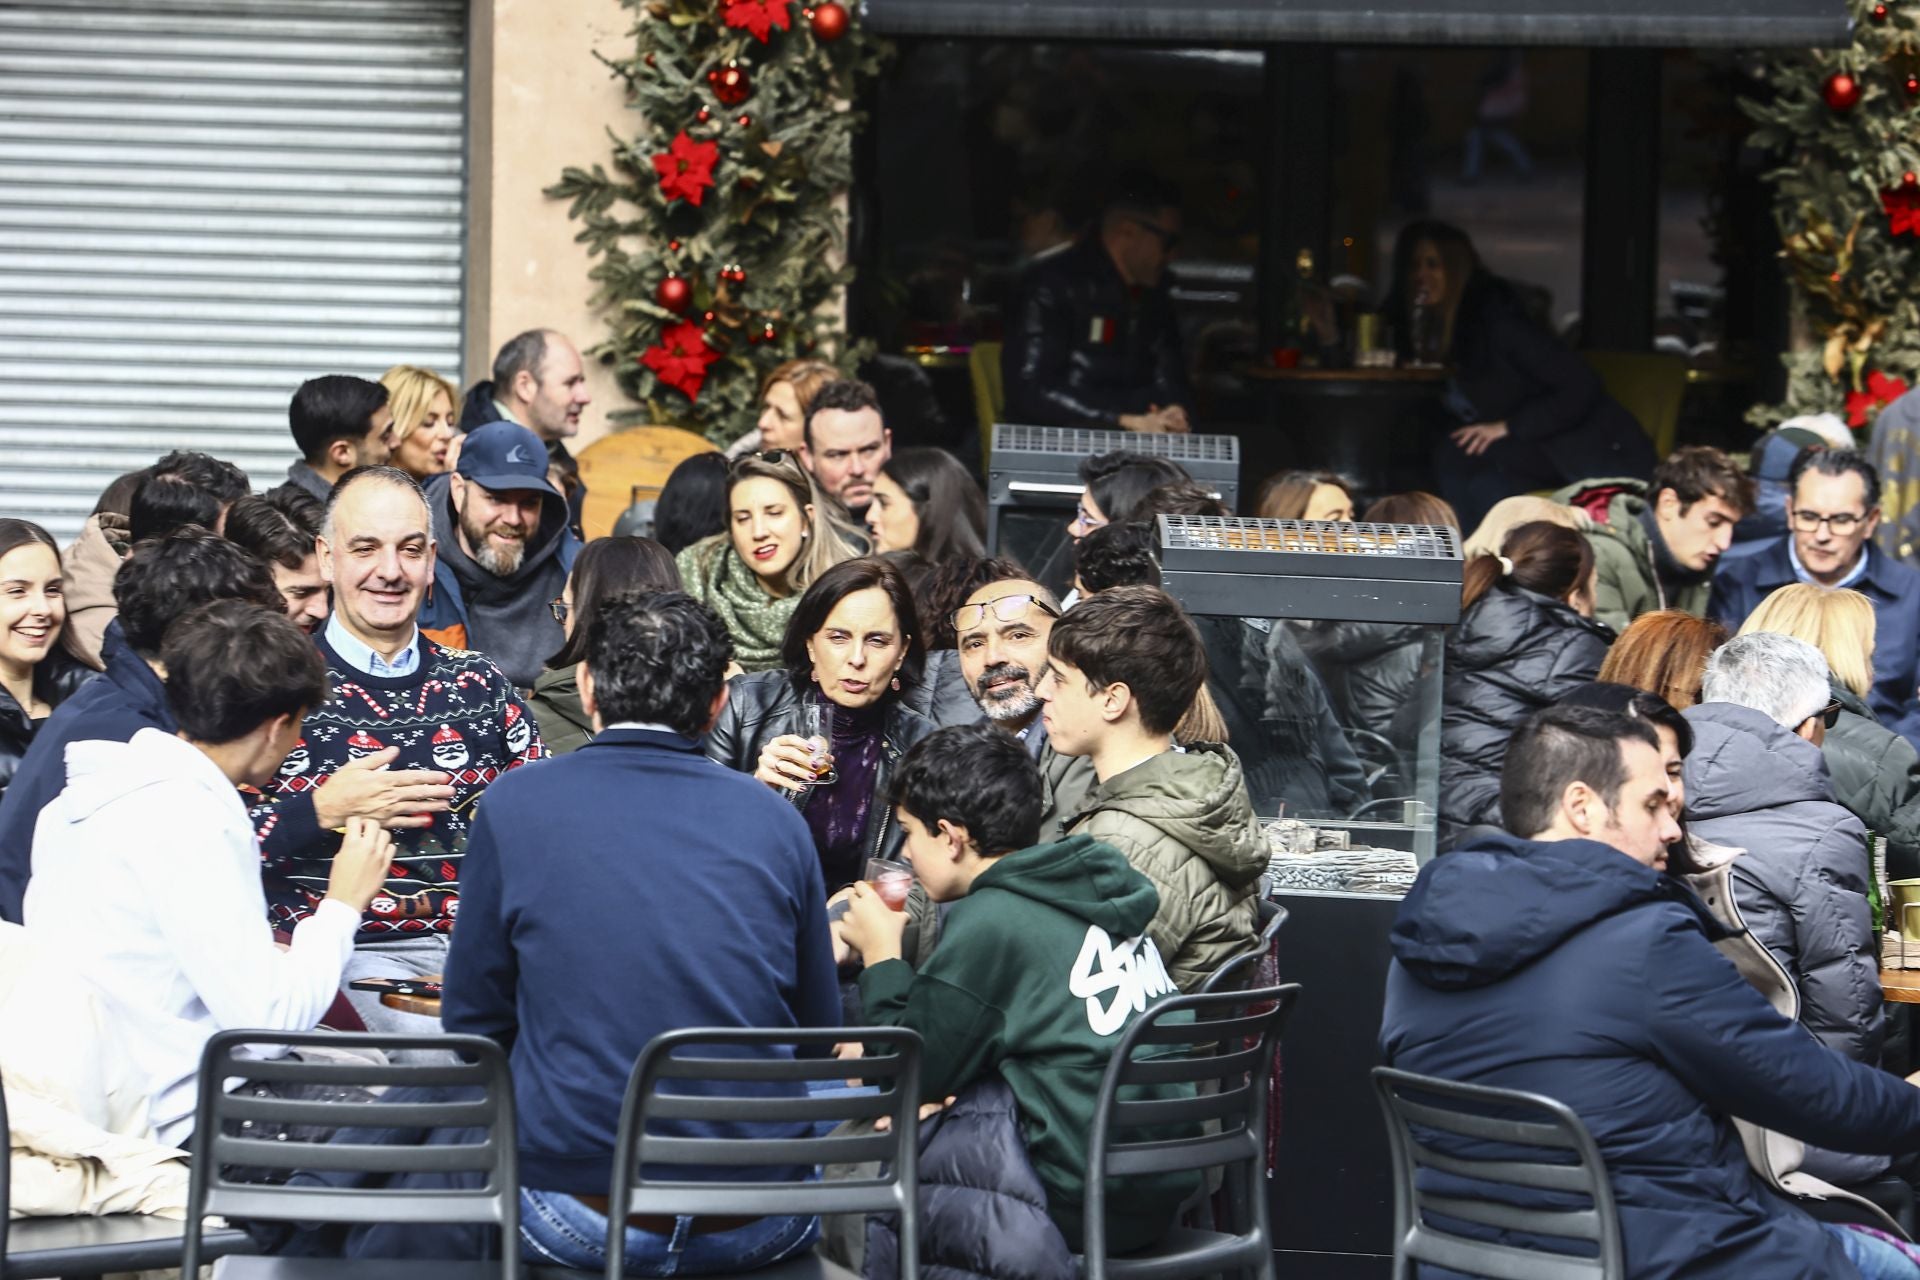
(1091, 339)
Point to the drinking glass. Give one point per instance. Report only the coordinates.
(893, 881)
(817, 724)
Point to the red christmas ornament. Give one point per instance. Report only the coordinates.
(1912, 86)
(707, 316)
(759, 17)
(1879, 13)
(829, 21)
(686, 168)
(1864, 406)
(702, 116)
(1902, 204)
(682, 358)
(730, 84)
(673, 246)
(1840, 91)
(674, 293)
(649, 60)
(745, 121)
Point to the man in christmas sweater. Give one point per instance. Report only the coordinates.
(412, 734)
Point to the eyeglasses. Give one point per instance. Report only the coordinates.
(1085, 519)
(1829, 714)
(559, 609)
(1005, 609)
(1842, 524)
(1169, 239)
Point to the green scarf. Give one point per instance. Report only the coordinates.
(721, 580)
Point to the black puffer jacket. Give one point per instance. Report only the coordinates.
(1514, 652)
(762, 706)
(1876, 775)
(1371, 670)
(57, 676)
(1082, 348)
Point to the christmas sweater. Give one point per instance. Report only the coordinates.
(455, 713)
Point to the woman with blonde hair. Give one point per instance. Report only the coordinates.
(1876, 772)
(784, 397)
(780, 536)
(1664, 652)
(424, 420)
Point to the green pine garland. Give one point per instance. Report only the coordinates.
(1855, 283)
(775, 210)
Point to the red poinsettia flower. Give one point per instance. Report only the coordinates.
(681, 359)
(1864, 406)
(1902, 204)
(686, 168)
(759, 16)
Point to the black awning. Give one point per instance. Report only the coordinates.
(1739, 24)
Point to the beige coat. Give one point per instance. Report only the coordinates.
(88, 567)
(79, 1138)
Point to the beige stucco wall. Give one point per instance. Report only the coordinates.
(539, 102)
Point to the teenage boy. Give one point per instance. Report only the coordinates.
(146, 873)
(1042, 962)
(1122, 667)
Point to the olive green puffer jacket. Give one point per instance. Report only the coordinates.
(1183, 819)
(1876, 775)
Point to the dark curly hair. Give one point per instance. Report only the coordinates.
(1117, 555)
(978, 777)
(657, 656)
(166, 577)
(232, 666)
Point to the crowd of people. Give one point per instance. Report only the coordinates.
(396, 719)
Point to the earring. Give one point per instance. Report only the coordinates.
(896, 684)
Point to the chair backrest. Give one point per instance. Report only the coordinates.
(222, 1122)
(1238, 971)
(1222, 1043)
(989, 395)
(1519, 1145)
(734, 1084)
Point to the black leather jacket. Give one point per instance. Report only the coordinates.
(57, 676)
(762, 706)
(1083, 347)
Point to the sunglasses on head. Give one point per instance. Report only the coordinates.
(774, 456)
(1010, 608)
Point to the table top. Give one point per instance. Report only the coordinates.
(427, 1005)
(1901, 986)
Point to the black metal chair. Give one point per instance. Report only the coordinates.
(1225, 1039)
(483, 1065)
(42, 1248)
(1238, 971)
(1512, 1141)
(893, 1191)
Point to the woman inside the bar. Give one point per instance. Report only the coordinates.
(1524, 412)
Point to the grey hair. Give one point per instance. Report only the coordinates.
(1781, 677)
(393, 476)
(524, 352)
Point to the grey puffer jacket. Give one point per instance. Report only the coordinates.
(1876, 775)
(940, 694)
(1802, 885)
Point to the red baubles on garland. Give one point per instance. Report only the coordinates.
(1840, 91)
(674, 293)
(758, 17)
(686, 168)
(682, 358)
(829, 21)
(733, 273)
(1902, 205)
(730, 84)
(1879, 13)
(1912, 86)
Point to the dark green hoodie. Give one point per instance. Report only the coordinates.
(1039, 970)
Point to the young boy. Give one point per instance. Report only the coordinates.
(1123, 667)
(1041, 966)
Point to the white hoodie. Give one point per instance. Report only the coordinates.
(146, 878)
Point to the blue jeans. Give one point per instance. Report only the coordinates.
(1875, 1258)
(557, 1229)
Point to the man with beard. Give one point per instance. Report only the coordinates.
(504, 553)
(1002, 632)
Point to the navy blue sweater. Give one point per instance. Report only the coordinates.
(629, 888)
(127, 699)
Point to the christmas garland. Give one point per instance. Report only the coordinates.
(1843, 126)
(715, 236)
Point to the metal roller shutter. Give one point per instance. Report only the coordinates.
(203, 203)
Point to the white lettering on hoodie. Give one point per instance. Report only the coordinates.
(1131, 970)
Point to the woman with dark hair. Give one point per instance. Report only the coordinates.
(780, 537)
(828, 730)
(1526, 638)
(925, 502)
(693, 502)
(36, 674)
(604, 567)
(1527, 413)
(1116, 487)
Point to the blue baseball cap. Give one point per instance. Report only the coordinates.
(505, 455)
